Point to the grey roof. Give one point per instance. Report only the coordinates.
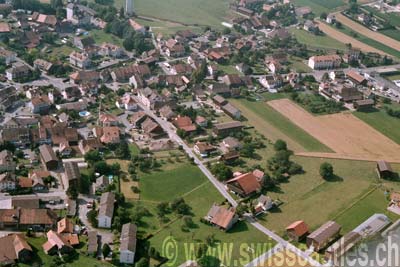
(128, 237)
(325, 232)
(92, 242)
(72, 171)
(47, 153)
(228, 125)
(107, 204)
(372, 225)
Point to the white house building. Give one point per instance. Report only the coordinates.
(127, 248)
(324, 62)
(106, 210)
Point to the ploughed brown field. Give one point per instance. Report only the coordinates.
(345, 134)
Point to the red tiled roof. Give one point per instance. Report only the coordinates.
(300, 228)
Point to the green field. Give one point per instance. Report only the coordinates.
(201, 12)
(316, 41)
(102, 37)
(395, 34)
(168, 184)
(274, 126)
(241, 235)
(371, 42)
(320, 6)
(310, 198)
(382, 122)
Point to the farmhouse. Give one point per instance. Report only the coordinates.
(203, 149)
(324, 62)
(356, 78)
(48, 157)
(222, 217)
(225, 129)
(7, 162)
(323, 235)
(14, 248)
(364, 104)
(56, 243)
(232, 111)
(297, 230)
(244, 184)
(263, 204)
(184, 123)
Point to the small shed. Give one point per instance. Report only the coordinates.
(384, 169)
(321, 237)
(297, 230)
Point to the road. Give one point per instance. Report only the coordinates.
(168, 128)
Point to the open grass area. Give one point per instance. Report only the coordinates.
(200, 12)
(166, 28)
(237, 240)
(317, 41)
(102, 37)
(320, 6)
(382, 122)
(165, 185)
(393, 33)
(310, 198)
(275, 126)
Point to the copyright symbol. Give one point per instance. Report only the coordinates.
(169, 250)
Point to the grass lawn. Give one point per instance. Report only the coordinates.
(395, 34)
(310, 198)
(240, 237)
(101, 37)
(382, 122)
(228, 69)
(299, 66)
(200, 12)
(165, 185)
(46, 260)
(167, 28)
(320, 6)
(392, 77)
(274, 126)
(321, 42)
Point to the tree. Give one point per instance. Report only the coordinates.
(72, 192)
(280, 145)
(241, 209)
(326, 170)
(323, 16)
(221, 171)
(143, 262)
(106, 250)
(93, 156)
(102, 167)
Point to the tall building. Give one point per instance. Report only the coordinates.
(129, 7)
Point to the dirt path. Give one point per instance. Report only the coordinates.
(368, 33)
(345, 134)
(346, 39)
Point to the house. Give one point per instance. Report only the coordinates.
(48, 157)
(184, 123)
(123, 74)
(219, 100)
(65, 226)
(231, 144)
(7, 181)
(227, 128)
(356, 78)
(263, 204)
(7, 163)
(324, 62)
(40, 104)
(84, 43)
(365, 104)
(24, 218)
(107, 135)
(14, 248)
(79, 15)
(127, 102)
(111, 50)
(7, 56)
(20, 137)
(331, 19)
(71, 93)
(233, 80)
(43, 65)
(80, 60)
(106, 210)
(230, 157)
(245, 184)
(384, 169)
(297, 230)
(152, 129)
(220, 89)
(18, 71)
(37, 177)
(222, 217)
(232, 111)
(203, 149)
(72, 174)
(90, 144)
(101, 183)
(321, 237)
(108, 120)
(127, 246)
(82, 77)
(337, 75)
(310, 26)
(166, 112)
(56, 243)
